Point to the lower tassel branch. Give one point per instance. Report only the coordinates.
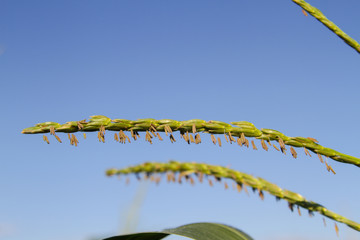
(192, 170)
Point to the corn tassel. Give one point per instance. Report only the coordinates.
(241, 179)
(237, 129)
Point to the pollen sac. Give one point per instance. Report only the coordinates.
(293, 152)
(253, 145)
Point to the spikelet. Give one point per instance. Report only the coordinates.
(197, 138)
(219, 141)
(121, 137)
(261, 195)
(201, 177)
(148, 137)
(137, 135)
(320, 157)
(172, 139)
(299, 212)
(275, 147)
(101, 136)
(80, 126)
(337, 229)
(243, 139)
(152, 132)
(293, 152)
(69, 136)
(171, 177)
(98, 136)
(304, 12)
(238, 187)
(158, 135)
(307, 152)
(157, 180)
(102, 133)
(313, 139)
(52, 130)
(226, 138)
(185, 174)
(153, 128)
(187, 137)
(193, 128)
(192, 139)
(246, 143)
(168, 176)
(245, 189)
(253, 145)
(239, 142)
(75, 141)
(226, 185)
(72, 141)
(332, 170)
(311, 214)
(282, 145)
(192, 182)
(133, 135)
(263, 145)
(232, 139)
(213, 139)
(167, 129)
(84, 135)
(179, 178)
(152, 178)
(46, 139)
(210, 183)
(291, 206)
(57, 138)
(116, 138)
(327, 166)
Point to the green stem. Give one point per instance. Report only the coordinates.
(187, 169)
(329, 24)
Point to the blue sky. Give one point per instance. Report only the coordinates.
(263, 62)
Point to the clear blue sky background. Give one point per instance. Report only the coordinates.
(257, 61)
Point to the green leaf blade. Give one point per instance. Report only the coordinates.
(206, 231)
(197, 231)
(140, 236)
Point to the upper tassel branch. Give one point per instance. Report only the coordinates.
(316, 13)
(186, 170)
(152, 127)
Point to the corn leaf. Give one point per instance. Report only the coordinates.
(197, 231)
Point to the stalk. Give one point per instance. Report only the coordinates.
(186, 128)
(329, 24)
(186, 170)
